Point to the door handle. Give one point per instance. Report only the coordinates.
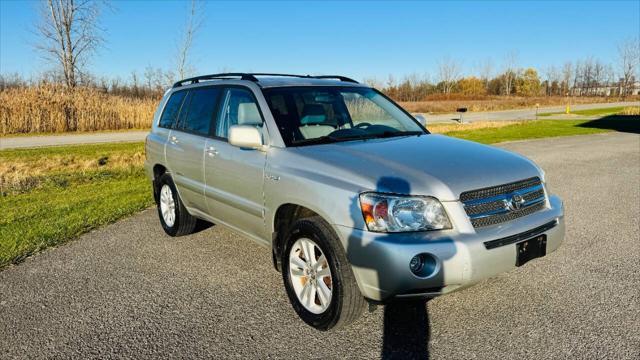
(211, 151)
(174, 140)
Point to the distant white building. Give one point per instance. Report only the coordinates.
(612, 89)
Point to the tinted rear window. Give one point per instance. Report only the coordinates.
(200, 111)
(172, 109)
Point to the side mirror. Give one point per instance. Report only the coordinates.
(421, 119)
(245, 136)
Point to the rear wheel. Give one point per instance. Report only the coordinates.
(318, 278)
(174, 217)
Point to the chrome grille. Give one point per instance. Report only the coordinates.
(498, 204)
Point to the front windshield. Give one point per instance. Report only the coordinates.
(313, 115)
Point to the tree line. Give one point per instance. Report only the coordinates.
(587, 77)
(69, 35)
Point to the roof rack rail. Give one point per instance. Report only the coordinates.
(339, 77)
(252, 77)
(285, 75)
(221, 76)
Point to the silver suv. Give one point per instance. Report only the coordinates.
(356, 199)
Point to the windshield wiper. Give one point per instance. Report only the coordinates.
(328, 139)
(319, 140)
(387, 134)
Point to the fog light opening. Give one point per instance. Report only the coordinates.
(416, 264)
(423, 265)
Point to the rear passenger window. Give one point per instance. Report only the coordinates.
(171, 110)
(200, 110)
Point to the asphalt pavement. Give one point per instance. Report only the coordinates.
(16, 142)
(129, 291)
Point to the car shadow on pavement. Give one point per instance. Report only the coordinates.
(406, 330)
(202, 225)
(621, 123)
(406, 327)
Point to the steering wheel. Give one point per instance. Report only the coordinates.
(363, 124)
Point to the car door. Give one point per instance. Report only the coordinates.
(159, 136)
(186, 146)
(234, 176)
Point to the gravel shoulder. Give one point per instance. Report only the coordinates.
(129, 291)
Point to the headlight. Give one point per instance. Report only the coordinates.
(391, 213)
(543, 179)
(543, 175)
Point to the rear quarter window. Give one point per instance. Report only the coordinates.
(172, 109)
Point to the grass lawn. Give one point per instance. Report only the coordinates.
(590, 112)
(51, 195)
(539, 129)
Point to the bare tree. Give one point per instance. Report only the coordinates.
(373, 82)
(628, 59)
(448, 73)
(552, 78)
(69, 34)
(567, 77)
(599, 78)
(194, 21)
(391, 81)
(577, 78)
(149, 76)
(486, 71)
(169, 77)
(135, 83)
(510, 68)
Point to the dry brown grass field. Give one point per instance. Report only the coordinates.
(631, 110)
(440, 104)
(54, 109)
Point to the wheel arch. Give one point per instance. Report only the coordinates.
(158, 171)
(284, 216)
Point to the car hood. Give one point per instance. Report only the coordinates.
(433, 165)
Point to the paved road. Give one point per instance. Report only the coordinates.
(71, 139)
(129, 291)
(520, 114)
(91, 138)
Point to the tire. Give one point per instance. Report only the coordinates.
(346, 303)
(181, 223)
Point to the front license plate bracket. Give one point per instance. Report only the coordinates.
(531, 249)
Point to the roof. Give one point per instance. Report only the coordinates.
(265, 80)
(269, 82)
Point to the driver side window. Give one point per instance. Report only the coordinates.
(238, 108)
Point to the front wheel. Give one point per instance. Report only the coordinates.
(318, 278)
(174, 217)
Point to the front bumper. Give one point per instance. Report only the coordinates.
(380, 261)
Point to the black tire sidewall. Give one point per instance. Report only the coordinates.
(327, 319)
(167, 180)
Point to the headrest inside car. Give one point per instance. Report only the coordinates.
(248, 114)
(313, 114)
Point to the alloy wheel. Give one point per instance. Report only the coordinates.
(310, 276)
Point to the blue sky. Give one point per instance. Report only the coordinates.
(358, 39)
